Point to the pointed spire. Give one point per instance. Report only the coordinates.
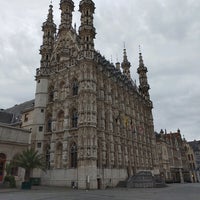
(49, 21)
(142, 71)
(125, 56)
(49, 31)
(50, 14)
(141, 62)
(126, 64)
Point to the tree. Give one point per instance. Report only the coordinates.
(29, 159)
(8, 168)
(9, 179)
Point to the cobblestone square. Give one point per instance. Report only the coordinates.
(172, 192)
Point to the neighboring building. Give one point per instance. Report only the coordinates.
(27, 117)
(17, 116)
(173, 153)
(162, 149)
(12, 141)
(196, 148)
(13, 138)
(191, 162)
(91, 120)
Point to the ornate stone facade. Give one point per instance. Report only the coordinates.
(93, 123)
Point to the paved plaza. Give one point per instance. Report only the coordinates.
(172, 192)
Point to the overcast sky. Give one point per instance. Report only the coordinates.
(167, 30)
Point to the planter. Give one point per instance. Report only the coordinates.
(35, 181)
(26, 185)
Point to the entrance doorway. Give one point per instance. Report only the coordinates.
(2, 165)
(99, 184)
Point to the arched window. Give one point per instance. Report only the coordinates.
(75, 88)
(60, 120)
(59, 151)
(47, 156)
(74, 118)
(73, 155)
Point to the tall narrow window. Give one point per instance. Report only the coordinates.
(59, 150)
(60, 120)
(49, 123)
(74, 118)
(75, 88)
(73, 152)
(116, 155)
(99, 156)
(47, 156)
(107, 154)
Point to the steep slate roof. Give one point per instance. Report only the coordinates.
(18, 109)
(5, 117)
(13, 115)
(195, 145)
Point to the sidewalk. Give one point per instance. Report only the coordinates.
(41, 188)
(5, 190)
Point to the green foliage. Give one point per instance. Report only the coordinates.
(8, 168)
(11, 180)
(29, 160)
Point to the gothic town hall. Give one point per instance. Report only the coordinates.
(91, 121)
